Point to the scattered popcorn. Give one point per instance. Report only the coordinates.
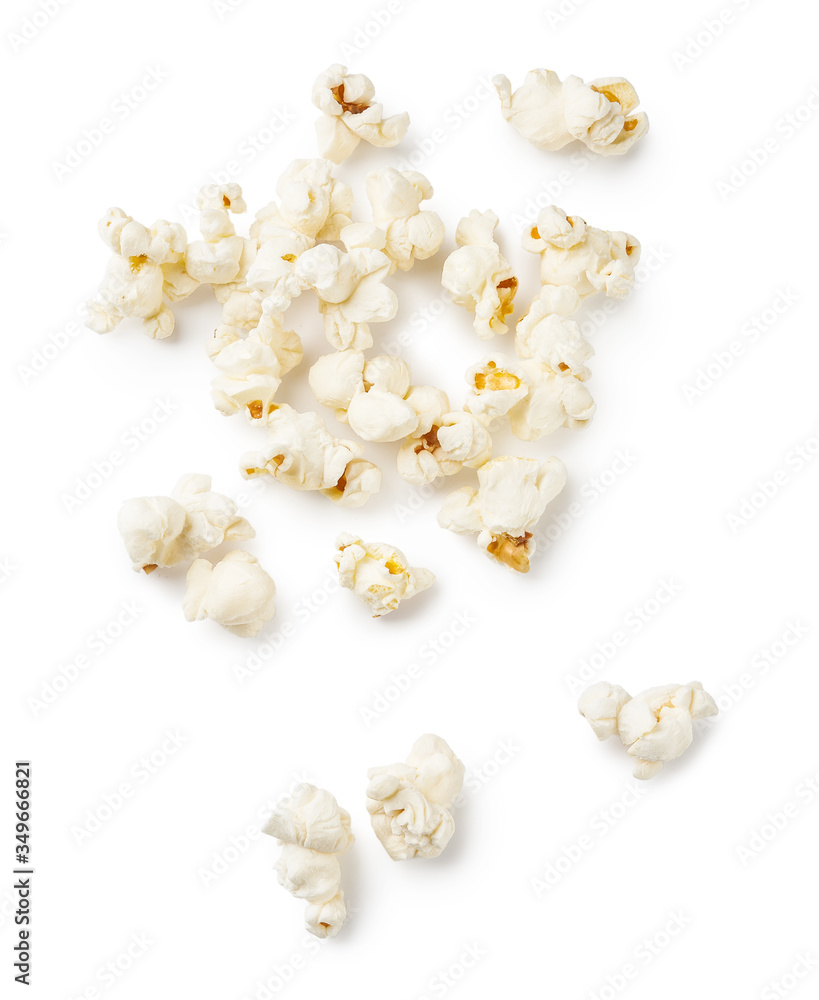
(581, 257)
(165, 531)
(313, 831)
(147, 266)
(236, 593)
(379, 574)
(303, 454)
(478, 276)
(350, 291)
(656, 726)
(410, 804)
(554, 400)
(511, 497)
(312, 203)
(551, 114)
(410, 234)
(349, 114)
(444, 442)
(218, 258)
(495, 386)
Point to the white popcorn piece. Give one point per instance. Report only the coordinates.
(220, 256)
(350, 291)
(379, 574)
(236, 593)
(512, 495)
(410, 233)
(304, 455)
(335, 378)
(581, 257)
(314, 832)
(496, 385)
(656, 726)
(252, 367)
(410, 804)
(271, 277)
(551, 114)
(312, 203)
(147, 266)
(350, 114)
(478, 276)
(167, 530)
(554, 400)
(445, 440)
(552, 339)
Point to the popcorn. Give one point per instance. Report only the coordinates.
(554, 400)
(147, 265)
(313, 831)
(252, 367)
(581, 257)
(349, 114)
(445, 440)
(303, 454)
(236, 593)
(312, 203)
(512, 495)
(495, 386)
(410, 234)
(164, 531)
(379, 574)
(410, 804)
(350, 290)
(656, 726)
(271, 277)
(550, 113)
(335, 378)
(218, 258)
(551, 339)
(478, 276)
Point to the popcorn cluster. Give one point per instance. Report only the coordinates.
(308, 242)
(655, 726)
(314, 832)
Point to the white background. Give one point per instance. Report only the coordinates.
(181, 863)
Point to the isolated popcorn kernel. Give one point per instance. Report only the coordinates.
(236, 593)
(378, 574)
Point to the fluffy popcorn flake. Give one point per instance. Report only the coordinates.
(495, 386)
(512, 496)
(314, 831)
(312, 203)
(378, 574)
(236, 593)
(410, 233)
(350, 114)
(167, 530)
(554, 400)
(410, 804)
